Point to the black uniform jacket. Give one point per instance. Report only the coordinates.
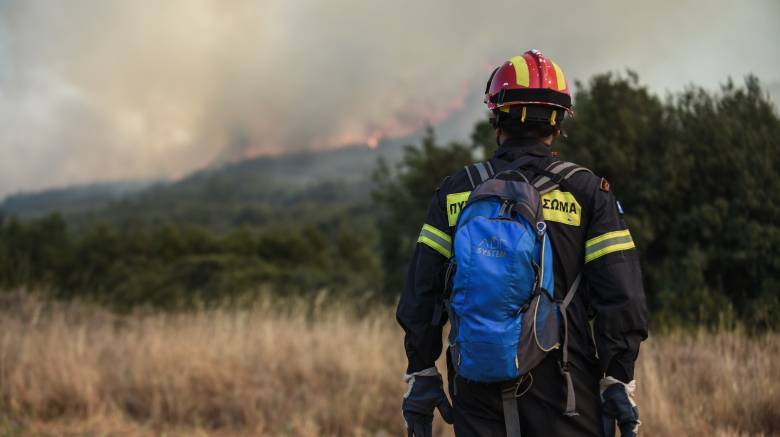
(607, 319)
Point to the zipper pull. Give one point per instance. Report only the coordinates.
(504, 212)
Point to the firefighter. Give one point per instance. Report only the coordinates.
(528, 97)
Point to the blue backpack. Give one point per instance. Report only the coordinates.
(501, 303)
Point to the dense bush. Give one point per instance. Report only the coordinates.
(175, 266)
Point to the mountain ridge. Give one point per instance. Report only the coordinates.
(239, 188)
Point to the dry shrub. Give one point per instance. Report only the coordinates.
(264, 370)
(710, 384)
(272, 369)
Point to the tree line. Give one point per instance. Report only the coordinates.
(175, 267)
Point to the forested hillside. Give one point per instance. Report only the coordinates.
(221, 197)
(70, 199)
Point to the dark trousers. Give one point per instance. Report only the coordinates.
(479, 409)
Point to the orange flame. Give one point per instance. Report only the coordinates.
(410, 121)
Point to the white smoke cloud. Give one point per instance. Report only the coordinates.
(99, 89)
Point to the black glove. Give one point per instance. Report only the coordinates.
(617, 403)
(425, 393)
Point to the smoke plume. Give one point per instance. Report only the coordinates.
(93, 89)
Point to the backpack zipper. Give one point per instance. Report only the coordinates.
(505, 209)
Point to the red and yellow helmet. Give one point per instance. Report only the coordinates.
(530, 79)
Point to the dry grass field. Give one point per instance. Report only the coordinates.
(300, 370)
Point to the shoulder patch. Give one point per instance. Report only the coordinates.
(604, 185)
(560, 206)
(455, 203)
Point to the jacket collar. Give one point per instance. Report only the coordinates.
(516, 147)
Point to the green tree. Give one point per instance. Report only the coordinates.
(403, 195)
(696, 173)
(697, 177)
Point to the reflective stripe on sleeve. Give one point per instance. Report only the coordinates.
(436, 240)
(608, 243)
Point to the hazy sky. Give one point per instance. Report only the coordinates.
(105, 90)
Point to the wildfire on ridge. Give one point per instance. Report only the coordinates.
(266, 139)
(402, 124)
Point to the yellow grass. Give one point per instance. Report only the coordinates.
(273, 370)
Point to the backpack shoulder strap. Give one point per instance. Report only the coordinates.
(571, 403)
(555, 174)
(479, 172)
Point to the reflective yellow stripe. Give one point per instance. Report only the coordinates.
(607, 236)
(559, 77)
(608, 243)
(609, 249)
(436, 240)
(521, 70)
(437, 232)
(435, 246)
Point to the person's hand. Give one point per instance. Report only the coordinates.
(617, 404)
(426, 392)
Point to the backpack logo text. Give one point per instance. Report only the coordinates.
(492, 247)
